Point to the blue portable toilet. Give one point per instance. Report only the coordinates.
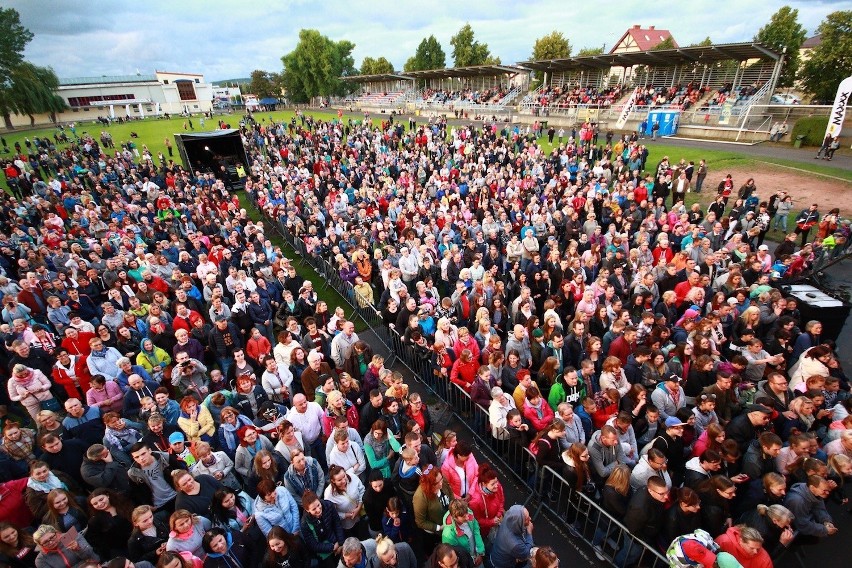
(668, 119)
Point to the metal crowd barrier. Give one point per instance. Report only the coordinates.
(594, 525)
(546, 487)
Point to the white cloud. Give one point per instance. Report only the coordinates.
(225, 39)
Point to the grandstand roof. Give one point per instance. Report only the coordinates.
(475, 71)
(668, 57)
(378, 78)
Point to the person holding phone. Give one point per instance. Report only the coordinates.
(61, 549)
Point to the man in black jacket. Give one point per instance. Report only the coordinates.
(644, 520)
(224, 339)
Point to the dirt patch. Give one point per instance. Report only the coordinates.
(804, 187)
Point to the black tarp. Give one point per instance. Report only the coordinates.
(211, 151)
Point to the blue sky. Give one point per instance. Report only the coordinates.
(230, 39)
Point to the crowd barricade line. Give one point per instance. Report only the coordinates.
(547, 488)
(592, 522)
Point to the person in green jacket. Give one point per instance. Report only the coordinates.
(569, 388)
(380, 447)
(462, 529)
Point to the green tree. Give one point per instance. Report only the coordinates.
(265, 84)
(703, 43)
(551, 46)
(590, 51)
(14, 37)
(667, 43)
(831, 61)
(378, 66)
(784, 32)
(429, 55)
(467, 51)
(31, 91)
(315, 66)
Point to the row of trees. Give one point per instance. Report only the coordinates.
(25, 89)
(827, 65)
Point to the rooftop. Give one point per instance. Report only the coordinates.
(106, 79)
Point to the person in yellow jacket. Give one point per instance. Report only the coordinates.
(196, 421)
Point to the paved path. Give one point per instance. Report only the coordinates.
(767, 150)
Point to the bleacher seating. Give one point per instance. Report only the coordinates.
(567, 97)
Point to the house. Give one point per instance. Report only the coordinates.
(638, 38)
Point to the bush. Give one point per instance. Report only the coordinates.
(812, 128)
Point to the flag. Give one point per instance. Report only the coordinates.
(625, 112)
(838, 109)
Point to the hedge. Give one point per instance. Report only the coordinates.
(812, 128)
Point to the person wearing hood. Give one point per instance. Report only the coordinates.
(700, 468)
(275, 506)
(668, 396)
(513, 545)
(226, 549)
(153, 359)
(807, 503)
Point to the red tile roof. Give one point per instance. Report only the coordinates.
(812, 42)
(644, 38)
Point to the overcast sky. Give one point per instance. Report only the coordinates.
(226, 40)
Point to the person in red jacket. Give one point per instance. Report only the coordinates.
(746, 545)
(72, 372)
(683, 288)
(536, 410)
(488, 501)
(13, 508)
(623, 345)
(77, 342)
(464, 370)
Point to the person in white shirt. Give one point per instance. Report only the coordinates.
(341, 345)
(276, 381)
(408, 265)
(347, 455)
(306, 417)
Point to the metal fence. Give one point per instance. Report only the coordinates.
(547, 489)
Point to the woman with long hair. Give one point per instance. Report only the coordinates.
(110, 523)
(17, 548)
(346, 492)
(230, 509)
(148, 539)
(430, 504)
(41, 482)
(717, 494)
(186, 532)
(63, 512)
(289, 440)
(267, 464)
(283, 550)
(380, 447)
(615, 497)
(710, 439)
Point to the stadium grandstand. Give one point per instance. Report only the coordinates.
(723, 86)
(716, 83)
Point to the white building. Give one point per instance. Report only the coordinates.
(232, 95)
(129, 95)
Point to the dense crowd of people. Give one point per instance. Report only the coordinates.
(566, 96)
(177, 394)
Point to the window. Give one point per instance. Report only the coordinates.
(198, 81)
(186, 90)
(165, 81)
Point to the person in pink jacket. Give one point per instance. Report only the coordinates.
(104, 394)
(488, 502)
(461, 470)
(29, 387)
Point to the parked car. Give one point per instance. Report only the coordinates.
(785, 99)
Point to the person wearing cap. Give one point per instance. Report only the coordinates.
(745, 427)
(668, 396)
(670, 443)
